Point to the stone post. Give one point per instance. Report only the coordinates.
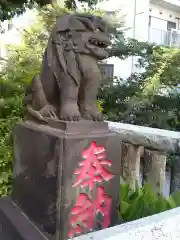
(130, 163)
(155, 169)
(66, 180)
(175, 174)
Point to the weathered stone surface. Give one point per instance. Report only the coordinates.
(153, 138)
(154, 170)
(14, 225)
(45, 162)
(83, 126)
(175, 175)
(130, 163)
(163, 226)
(68, 83)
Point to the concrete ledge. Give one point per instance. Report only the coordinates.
(163, 226)
(153, 138)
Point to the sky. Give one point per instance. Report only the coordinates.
(21, 22)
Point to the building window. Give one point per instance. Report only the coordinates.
(160, 31)
(171, 25)
(107, 70)
(158, 23)
(161, 24)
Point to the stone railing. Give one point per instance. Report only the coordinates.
(145, 151)
(163, 226)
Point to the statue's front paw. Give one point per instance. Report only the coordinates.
(91, 113)
(70, 112)
(48, 111)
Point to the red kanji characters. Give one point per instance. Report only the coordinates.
(103, 206)
(84, 212)
(90, 172)
(82, 215)
(92, 168)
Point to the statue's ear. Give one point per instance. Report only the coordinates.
(87, 22)
(69, 22)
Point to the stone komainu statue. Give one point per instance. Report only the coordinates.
(68, 83)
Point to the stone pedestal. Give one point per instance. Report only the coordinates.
(67, 180)
(15, 225)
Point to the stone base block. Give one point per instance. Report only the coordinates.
(14, 225)
(60, 174)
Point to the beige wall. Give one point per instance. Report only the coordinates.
(168, 15)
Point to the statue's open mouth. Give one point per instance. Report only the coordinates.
(98, 43)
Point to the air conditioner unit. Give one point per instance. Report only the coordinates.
(174, 37)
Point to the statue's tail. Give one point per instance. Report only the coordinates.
(36, 114)
(28, 98)
(28, 101)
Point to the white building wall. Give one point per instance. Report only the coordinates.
(164, 14)
(162, 20)
(136, 19)
(138, 22)
(121, 67)
(174, 2)
(141, 20)
(140, 27)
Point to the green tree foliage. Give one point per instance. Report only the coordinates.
(150, 98)
(23, 64)
(10, 8)
(143, 202)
